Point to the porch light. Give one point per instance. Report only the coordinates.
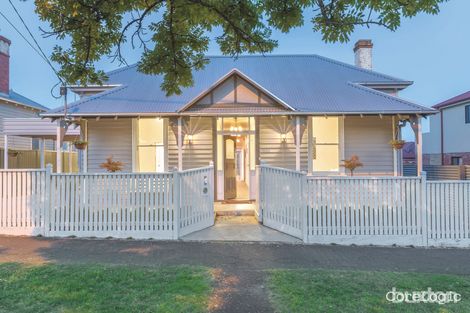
(283, 137)
(190, 139)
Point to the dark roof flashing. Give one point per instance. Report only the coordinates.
(459, 99)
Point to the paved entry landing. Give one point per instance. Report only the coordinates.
(239, 228)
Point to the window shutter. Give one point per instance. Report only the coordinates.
(467, 114)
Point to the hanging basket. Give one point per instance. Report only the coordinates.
(80, 145)
(13, 153)
(397, 144)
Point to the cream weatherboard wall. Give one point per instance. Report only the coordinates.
(272, 148)
(197, 153)
(368, 138)
(109, 137)
(12, 111)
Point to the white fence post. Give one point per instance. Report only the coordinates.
(260, 200)
(424, 209)
(304, 208)
(177, 204)
(47, 200)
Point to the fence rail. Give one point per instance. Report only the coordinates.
(144, 205)
(368, 210)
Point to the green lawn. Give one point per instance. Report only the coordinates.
(358, 291)
(97, 288)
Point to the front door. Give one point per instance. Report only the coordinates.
(230, 173)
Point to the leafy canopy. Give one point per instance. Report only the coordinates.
(174, 34)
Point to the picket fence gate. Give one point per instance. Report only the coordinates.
(121, 205)
(365, 210)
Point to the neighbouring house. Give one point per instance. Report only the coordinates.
(12, 104)
(409, 153)
(301, 112)
(447, 141)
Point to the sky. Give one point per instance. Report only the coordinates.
(431, 50)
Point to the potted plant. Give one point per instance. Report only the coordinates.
(112, 166)
(13, 153)
(352, 164)
(397, 144)
(80, 144)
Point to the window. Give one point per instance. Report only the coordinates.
(326, 143)
(456, 160)
(467, 114)
(150, 150)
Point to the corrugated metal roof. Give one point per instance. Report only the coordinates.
(36, 128)
(307, 83)
(460, 98)
(20, 99)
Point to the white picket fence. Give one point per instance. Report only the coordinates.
(449, 213)
(22, 201)
(354, 210)
(366, 210)
(281, 201)
(121, 205)
(197, 200)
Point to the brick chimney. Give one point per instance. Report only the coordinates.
(363, 53)
(4, 65)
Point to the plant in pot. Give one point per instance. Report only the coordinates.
(352, 163)
(112, 166)
(80, 144)
(397, 144)
(13, 153)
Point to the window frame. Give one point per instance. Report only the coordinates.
(467, 114)
(458, 158)
(136, 145)
(315, 143)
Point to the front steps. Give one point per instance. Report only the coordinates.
(234, 209)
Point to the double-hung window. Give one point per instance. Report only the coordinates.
(325, 134)
(150, 146)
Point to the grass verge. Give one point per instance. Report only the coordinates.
(360, 291)
(98, 288)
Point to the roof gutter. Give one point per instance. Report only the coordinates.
(153, 114)
(22, 104)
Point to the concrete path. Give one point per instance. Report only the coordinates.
(240, 228)
(238, 268)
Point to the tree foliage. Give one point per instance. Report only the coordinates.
(175, 34)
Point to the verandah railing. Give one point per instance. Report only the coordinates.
(366, 210)
(143, 205)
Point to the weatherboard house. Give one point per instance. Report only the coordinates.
(301, 112)
(13, 104)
